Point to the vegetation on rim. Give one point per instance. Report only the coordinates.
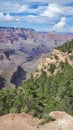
(39, 96)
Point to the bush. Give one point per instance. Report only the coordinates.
(52, 68)
(46, 119)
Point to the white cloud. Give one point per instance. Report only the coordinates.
(53, 10)
(30, 12)
(22, 8)
(47, 1)
(68, 10)
(42, 1)
(15, 8)
(33, 19)
(6, 17)
(71, 29)
(8, 7)
(60, 1)
(60, 25)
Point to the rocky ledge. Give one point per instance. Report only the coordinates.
(22, 121)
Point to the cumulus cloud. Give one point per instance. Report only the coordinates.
(9, 7)
(53, 10)
(60, 25)
(50, 10)
(6, 17)
(46, 13)
(22, 8)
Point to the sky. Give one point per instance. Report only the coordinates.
(41, 15)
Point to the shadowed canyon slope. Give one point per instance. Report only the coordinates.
(25, 48)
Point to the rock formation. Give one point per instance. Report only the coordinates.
(26, 122)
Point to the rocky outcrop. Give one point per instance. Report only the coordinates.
(26, 122)
(53, 61)
(64, 120)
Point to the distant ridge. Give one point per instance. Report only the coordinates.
(32, 29)
(14, 28)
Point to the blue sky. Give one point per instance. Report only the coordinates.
(47, 15)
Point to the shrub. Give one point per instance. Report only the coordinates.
(46, 119)
(52, 68)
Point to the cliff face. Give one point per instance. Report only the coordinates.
(25, 47)
(9, 35)
(25, 122)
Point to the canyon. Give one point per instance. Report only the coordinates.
(22, 49)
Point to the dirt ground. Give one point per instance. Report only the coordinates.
(26, 122)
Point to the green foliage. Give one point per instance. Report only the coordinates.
(42, 95)
(71, 57)
(39, 96)
(67, 47)
(52, 68)
(46, 118)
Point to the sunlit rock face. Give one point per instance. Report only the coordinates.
(23, 121)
